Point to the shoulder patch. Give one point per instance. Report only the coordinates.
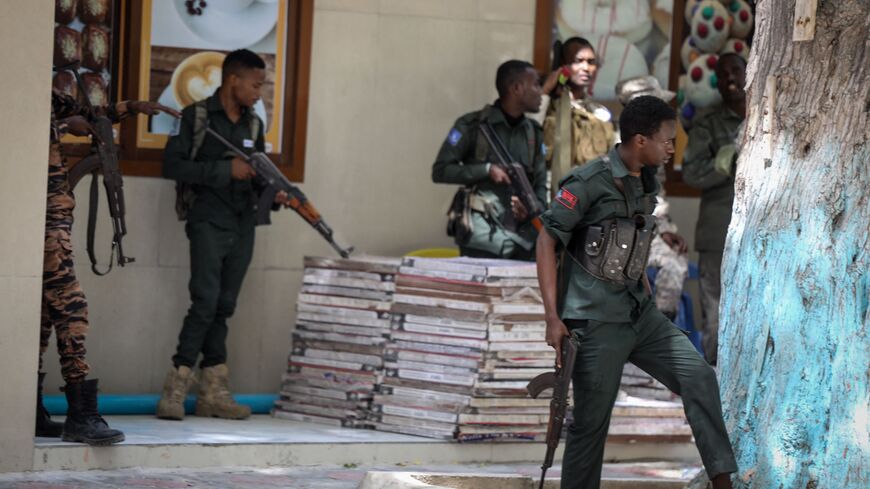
(543, 149)
(454, 136)
(566, 198)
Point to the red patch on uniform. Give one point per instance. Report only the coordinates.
(566, 198)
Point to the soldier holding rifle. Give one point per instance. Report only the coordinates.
(601, 219)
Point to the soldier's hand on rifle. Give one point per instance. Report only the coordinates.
(281, 198)
(676, 242)
(556, 330)
(78, 126)
(241, 170)
(518, 209)
(148, 108)
(498, 176)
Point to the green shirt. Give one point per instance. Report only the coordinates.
(463, 159)
(226, 203)
(712, 135)
(587, 196)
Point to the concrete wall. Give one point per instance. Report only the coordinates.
(388, 78)
(24, 126)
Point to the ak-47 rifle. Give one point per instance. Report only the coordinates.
(560, 382)
(277, 182)
(520, 184)
(103, 159)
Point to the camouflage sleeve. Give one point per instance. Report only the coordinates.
(455, 163)
(567, 209)
(699, 169)
(549, 125)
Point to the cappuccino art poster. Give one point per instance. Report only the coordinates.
(183, 47)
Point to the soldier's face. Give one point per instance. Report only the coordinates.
(658, 149)
(730, 78)
(247, 86)
(583, 65)
(531, 91)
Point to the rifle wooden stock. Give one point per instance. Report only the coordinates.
(560, 382)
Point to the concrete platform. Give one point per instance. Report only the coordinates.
(326, 476)
(263, 442)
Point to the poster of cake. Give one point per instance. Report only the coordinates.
(83, 41)
(184, 43)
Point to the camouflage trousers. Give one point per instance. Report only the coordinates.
(672, 271)
(64, 307)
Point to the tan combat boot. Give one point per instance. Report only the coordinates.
(178, 382)
(214, 397)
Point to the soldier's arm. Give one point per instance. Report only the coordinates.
(450, 164)
(178, 166)
(560, 221)
(699, 169)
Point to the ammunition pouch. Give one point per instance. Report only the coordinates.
(459, 224)
(615, 250)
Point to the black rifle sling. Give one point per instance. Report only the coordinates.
(93, 206)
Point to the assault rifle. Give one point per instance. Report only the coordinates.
(520, 184)
(277, 182)
(559, 381)
(103, 159)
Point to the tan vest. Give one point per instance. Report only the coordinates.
(588, 136)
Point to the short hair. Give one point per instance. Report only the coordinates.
(240, 60)
(509, 73)
(644, 115)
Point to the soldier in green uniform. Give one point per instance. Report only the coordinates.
(709, 165)
(217, 196)
(499, 223)
(602, 220)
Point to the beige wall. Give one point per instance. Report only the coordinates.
(388, 79)
(24, 84)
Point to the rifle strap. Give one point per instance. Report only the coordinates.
(93, 207)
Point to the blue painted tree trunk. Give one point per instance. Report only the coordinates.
(794, 348)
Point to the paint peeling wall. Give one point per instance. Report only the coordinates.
(795, 315)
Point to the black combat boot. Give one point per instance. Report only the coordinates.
(83, 423)
(44, 425)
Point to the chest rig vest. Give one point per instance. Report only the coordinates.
(617, 249)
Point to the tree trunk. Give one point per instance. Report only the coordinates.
(794, 341)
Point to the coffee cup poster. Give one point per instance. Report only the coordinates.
(184, 43)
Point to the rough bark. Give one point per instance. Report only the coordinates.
(794, 313)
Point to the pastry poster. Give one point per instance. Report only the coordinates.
(84, 34)
(183, 47)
